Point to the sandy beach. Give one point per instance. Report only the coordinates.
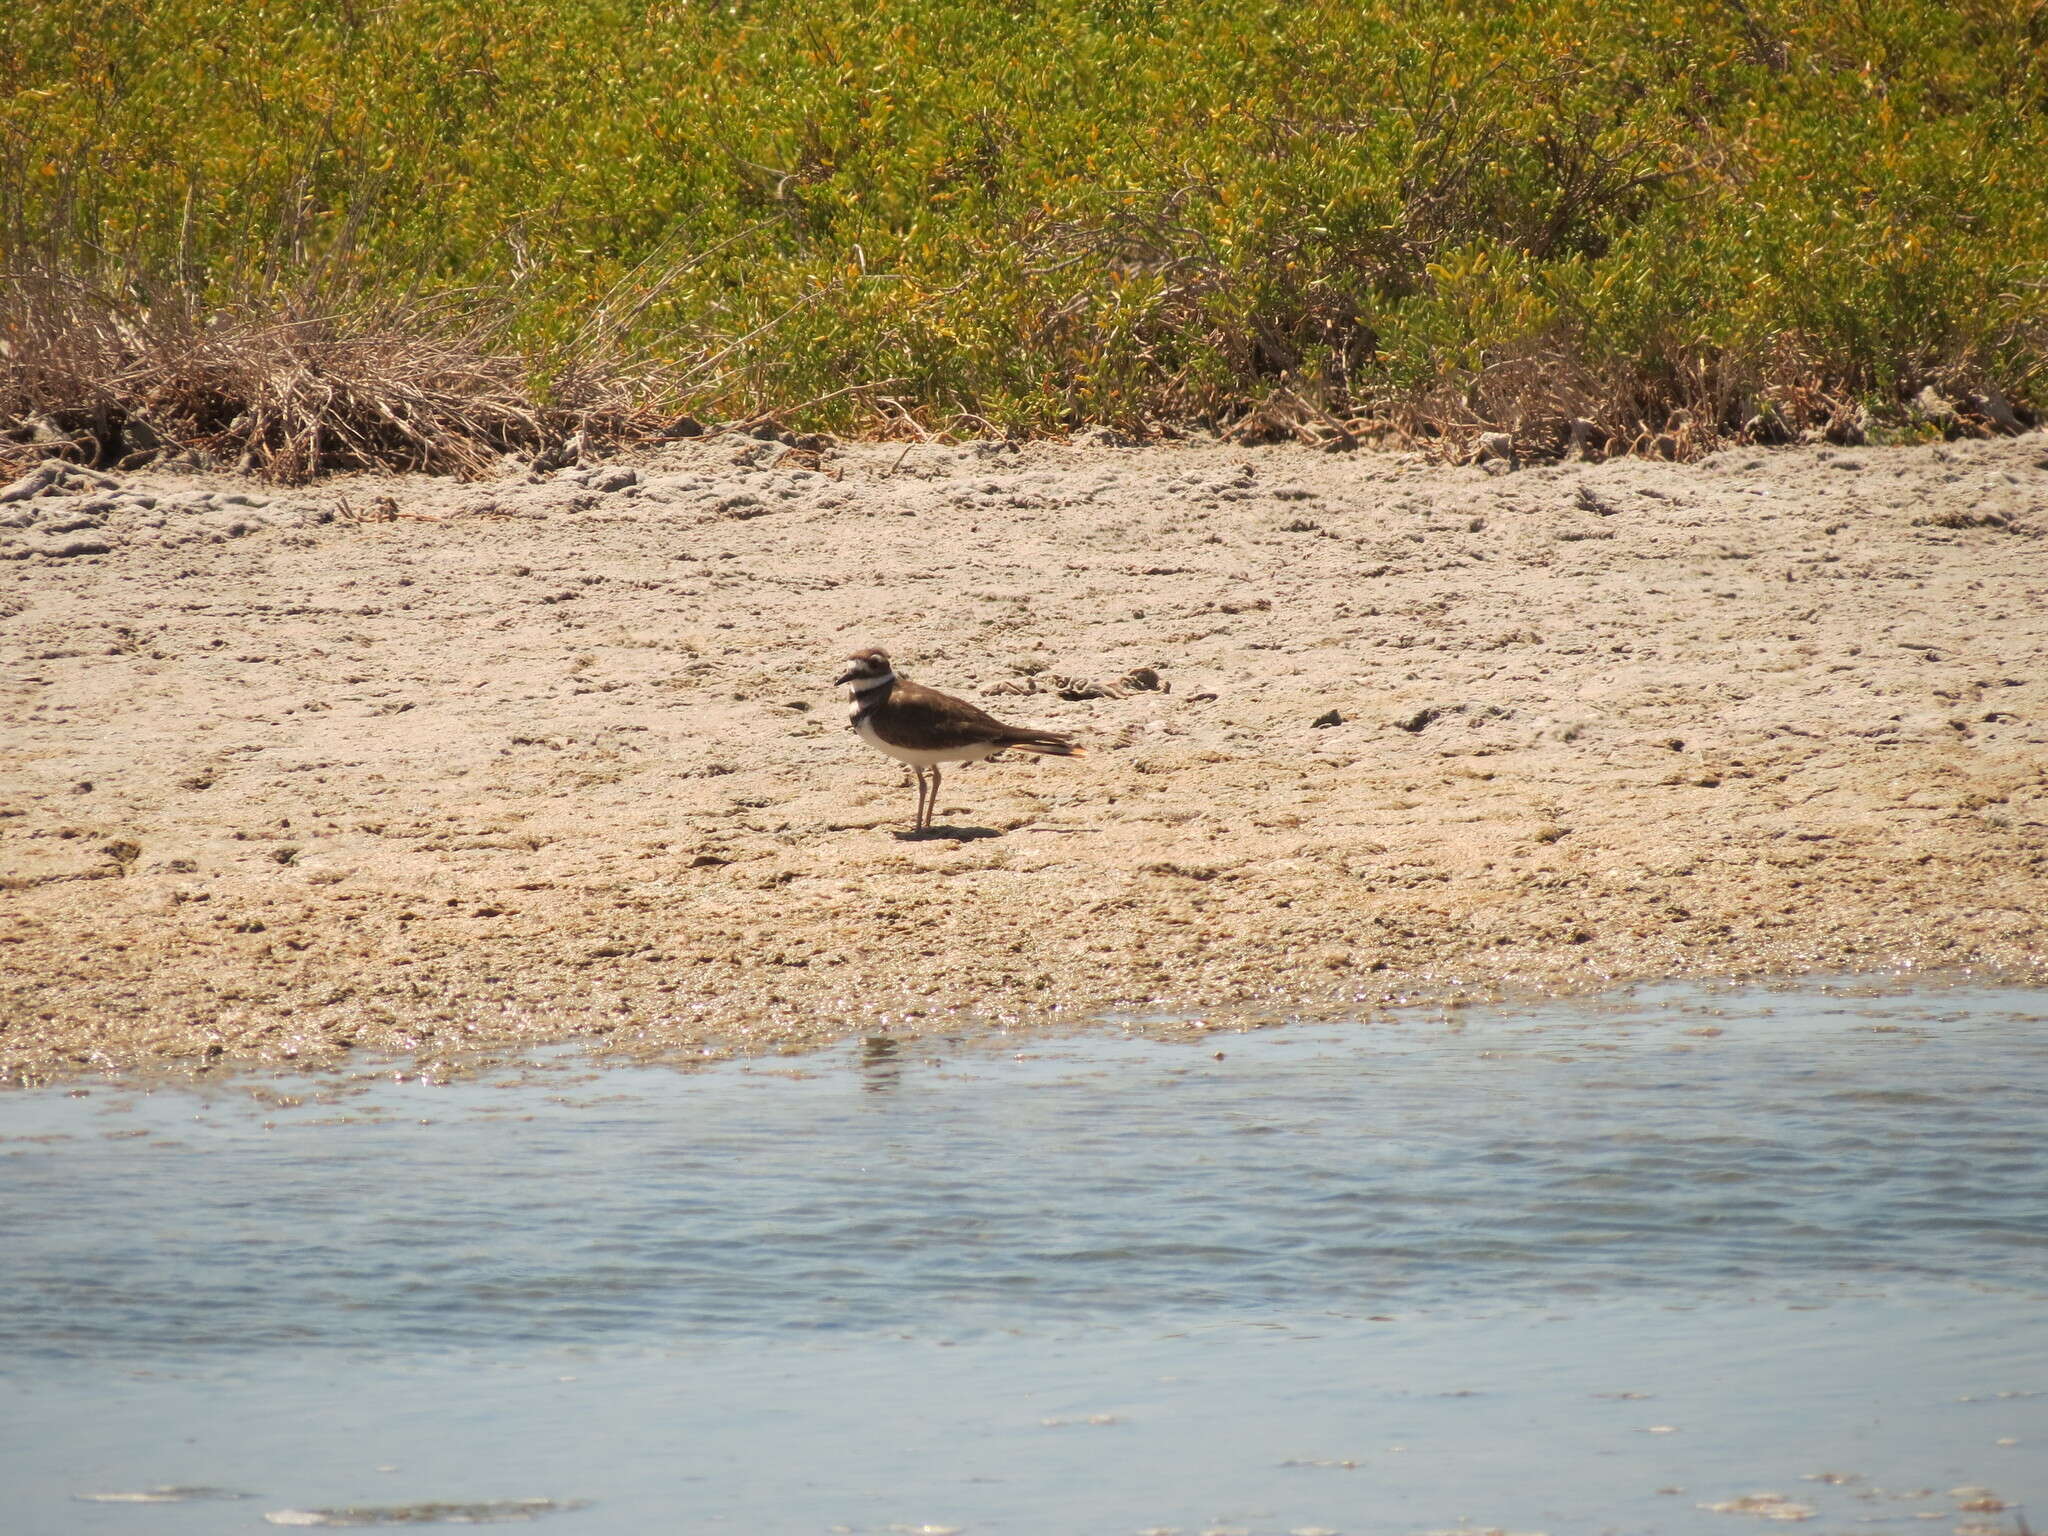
(418, 765)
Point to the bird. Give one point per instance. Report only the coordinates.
(924, 727)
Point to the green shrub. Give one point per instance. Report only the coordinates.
(1026, 216)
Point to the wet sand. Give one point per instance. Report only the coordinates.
(422, 766)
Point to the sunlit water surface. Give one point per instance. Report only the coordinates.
(1572, 1269)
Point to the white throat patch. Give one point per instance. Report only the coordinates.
(865, 694)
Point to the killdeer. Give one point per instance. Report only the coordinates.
(924, 727)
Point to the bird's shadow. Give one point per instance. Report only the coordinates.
(957, 834)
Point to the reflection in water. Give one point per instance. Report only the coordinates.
(1531, 1269)
(880, 1068)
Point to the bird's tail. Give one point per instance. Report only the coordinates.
(1047, 743)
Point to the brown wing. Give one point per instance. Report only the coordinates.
(938, 722)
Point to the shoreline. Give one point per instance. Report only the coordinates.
(413, 765)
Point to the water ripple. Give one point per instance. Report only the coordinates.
(1359, 1170)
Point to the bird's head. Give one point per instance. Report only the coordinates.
(864, 668)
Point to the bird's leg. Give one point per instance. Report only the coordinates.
(932, 809)
(917, 821)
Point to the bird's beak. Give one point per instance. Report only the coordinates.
(846, 677)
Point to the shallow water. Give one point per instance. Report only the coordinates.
(1520, 1268)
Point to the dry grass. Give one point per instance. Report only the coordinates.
(289, 389)
(293, 388)
(1552, 405)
